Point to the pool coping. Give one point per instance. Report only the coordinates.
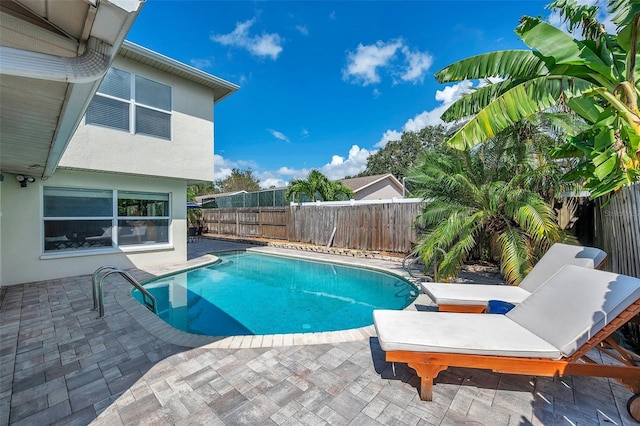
(165, 332)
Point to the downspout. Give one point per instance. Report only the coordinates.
(86, 68)
(84, 73)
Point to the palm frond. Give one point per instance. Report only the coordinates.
(623, 11)
(456, 237)
(474, 102)
(517, 103)
(514, 255)
(579, 16)
(533, 215)
(504, 64)
(552, 42)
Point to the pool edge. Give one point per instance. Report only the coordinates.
(168, 334)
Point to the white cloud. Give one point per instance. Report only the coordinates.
(280, 177)
(287, 171)
(388, 136)
(201, 63)
(424, 119)
(446, 96)
(302, 29)
(222, 167)
(419, 64)
(340, 167)
(366, 63)
(270, 182)
(376, 93)
(363, 64)
(269, 45)
(304, 133)
(279, 135)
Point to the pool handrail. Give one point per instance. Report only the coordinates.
(98, 297)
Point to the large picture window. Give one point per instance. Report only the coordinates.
(85, 219)
(132, 103)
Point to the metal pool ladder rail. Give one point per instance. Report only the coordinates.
(98, 297)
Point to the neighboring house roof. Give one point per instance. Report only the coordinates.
(360, 183)
(53, 57)
(221, 88)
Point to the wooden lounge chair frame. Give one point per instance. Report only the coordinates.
(429, 364)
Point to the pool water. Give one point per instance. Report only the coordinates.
(252, 293)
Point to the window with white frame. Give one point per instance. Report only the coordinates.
(85, 219)
(132, 103)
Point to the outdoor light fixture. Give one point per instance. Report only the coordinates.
(24, 180)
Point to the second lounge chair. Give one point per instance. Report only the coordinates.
(453, 297)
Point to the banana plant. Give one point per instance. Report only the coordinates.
(595, 77)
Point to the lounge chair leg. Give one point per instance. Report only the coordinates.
(427, 372)
(633, 406)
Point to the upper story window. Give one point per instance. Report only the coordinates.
(132, 103)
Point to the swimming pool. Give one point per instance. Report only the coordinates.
(253, 293)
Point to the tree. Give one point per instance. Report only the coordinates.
(398, 156)
(596, 78)
(479, 206)
(238, 180)
(196, 190)
(317, 187)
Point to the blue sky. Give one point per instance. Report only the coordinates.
(324, 84)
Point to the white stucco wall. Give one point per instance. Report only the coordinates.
(379, 191)
(188, 155)
(21, 228)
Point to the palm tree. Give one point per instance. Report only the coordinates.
(317, 187)
(478, 206)
(596, 78)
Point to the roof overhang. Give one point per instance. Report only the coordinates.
(53, 56)
(221, 88)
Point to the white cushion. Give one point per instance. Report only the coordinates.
(479, 294)
(558, 256)
(473, 294)
(574, 304)
(446, 332)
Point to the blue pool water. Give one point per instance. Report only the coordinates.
(251, 293)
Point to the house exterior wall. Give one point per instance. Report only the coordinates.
(21, 227)
(379, 191)
(188, 155)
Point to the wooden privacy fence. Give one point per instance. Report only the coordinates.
(618, 230)
(372, 227)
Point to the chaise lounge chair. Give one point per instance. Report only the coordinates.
(548, 334)
(452, 297)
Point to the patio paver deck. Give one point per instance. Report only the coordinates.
(59, 364)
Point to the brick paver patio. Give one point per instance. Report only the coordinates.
(59, 364)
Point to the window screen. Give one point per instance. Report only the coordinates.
(108, 112)
(154, 123)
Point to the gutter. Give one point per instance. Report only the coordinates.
(106, 25)
(86, 68)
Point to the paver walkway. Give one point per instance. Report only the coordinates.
(59, 364)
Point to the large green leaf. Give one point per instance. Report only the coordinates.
(554, 43)
(504, 63)
(623, 11)
(472, 103)
(587, 108)
(515, 104)
(605, 164)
